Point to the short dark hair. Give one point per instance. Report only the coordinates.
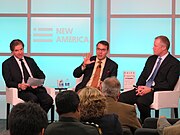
(164, 40)
(27, 119)
(14, 43)
(105, 43)
(67, 101)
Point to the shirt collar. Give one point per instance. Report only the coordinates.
(17, 59)
(164, 56)
(102, 61)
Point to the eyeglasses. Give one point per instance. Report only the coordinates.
(99, 49)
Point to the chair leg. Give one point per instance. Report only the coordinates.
(52, 113)
(176, 112)
(7, 115)
(157, 113)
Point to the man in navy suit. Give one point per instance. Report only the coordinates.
(14, 76)
(90, 63)
(165, 79)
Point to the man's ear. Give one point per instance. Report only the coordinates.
(78, 108)
(118, 96)
(164, 47)
(42, 132)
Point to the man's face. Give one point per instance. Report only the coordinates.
(159, 48)
(18, 51)
(101, 51)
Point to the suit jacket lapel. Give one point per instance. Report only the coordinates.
(163, 64)
(165, 61)
(106, 69)
(16, 67)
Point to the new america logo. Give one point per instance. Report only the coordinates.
(57, 35)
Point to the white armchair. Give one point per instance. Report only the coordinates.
(167, 99)
(12, 99)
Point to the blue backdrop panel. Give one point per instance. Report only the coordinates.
(136, 36)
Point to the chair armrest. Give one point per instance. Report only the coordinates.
(161, 97)
(146, 131)
(51, 92)
(152, 122)
(12, 96)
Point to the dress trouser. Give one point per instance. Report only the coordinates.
(38, 95)
(142, 102)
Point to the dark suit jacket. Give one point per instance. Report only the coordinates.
(110, 69)
(12, 73)
(167, 76)
(70, 126)
(108, 123)
(126, 113)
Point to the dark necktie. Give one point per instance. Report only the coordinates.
(25, 72)
(151, 79)
(96, 75)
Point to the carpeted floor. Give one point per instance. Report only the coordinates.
(4, 133)
(3, 130)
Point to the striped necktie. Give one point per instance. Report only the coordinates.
(25, 72)
(151, 79)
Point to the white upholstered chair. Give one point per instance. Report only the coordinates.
(12, 99)
(167, 99)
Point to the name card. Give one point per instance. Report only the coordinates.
(129, 80)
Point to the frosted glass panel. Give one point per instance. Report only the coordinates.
(141, 6)
(129, 64)
(58, 68)
(61, 6)
(12, 28)
(177, 37)
(60, 35)
(177, 6)
(13, 6)
(136, 36)
(100, 21)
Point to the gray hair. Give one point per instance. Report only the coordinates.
(111, 87)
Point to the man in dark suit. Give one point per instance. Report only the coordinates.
(108, 67)
(67, 104)
(15, 76)
(165, 78)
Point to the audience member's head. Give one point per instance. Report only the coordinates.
(111, 87)
(27, 119)
(92, 103)
(67, 103)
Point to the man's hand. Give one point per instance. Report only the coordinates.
(23, 86)
(87, 60)
(142, 90)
